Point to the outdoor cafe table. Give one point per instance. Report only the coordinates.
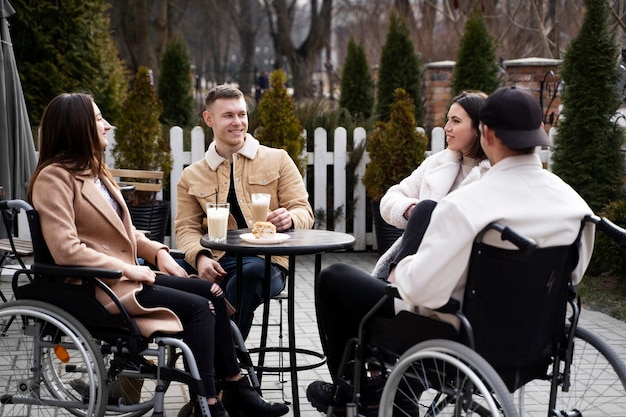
(300, 242)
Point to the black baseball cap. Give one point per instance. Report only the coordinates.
(515, 115)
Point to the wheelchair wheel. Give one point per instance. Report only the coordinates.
(444, 378)
(132, 392)
(597, 383)
(45, 353)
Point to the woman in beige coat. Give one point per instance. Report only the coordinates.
(85, 222)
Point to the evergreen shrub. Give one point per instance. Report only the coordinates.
(174, 85)
(399, 68)
(608, 256)
(280, 127)
(476, 65)
(139, 139)
(395, 147)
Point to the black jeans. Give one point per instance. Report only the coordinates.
(345, 294)
(207, 333)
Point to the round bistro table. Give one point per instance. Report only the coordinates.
(300, 242)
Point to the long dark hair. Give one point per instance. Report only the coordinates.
(472, 102)
(68, 135)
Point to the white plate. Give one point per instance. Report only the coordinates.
(279, 237)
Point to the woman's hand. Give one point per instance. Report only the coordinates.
(139, 273)
(408, 211)
(168, 265)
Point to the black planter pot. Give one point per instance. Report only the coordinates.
(386, 234)
(152, 218)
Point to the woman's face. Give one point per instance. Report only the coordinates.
(460, 134)
(102, 126)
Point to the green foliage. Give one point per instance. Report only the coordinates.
(139, 139)
(587, 145)
(608, 256)
(395, 147)
(326, 114)
(66, 46)
(357, 87)
(280, 127)
(174, 85)
(399, 68)
(476, 64)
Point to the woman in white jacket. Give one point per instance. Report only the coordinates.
(462, 162)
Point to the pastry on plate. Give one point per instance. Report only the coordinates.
(264, 230)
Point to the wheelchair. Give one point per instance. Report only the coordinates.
(518, 351)
(64, 354)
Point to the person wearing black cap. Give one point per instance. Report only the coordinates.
(516, 191)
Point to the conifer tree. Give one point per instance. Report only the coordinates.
(587, 145)
(357, 88)
(476, 64)
(174, 85)
(139, 139)
(399, 68)
(280, 128)
(395, 147)
(65, 46)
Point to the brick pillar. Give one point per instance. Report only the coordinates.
(533, 74)
(529, 73)
(437, 93)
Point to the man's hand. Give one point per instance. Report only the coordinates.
(392, 276)
(209, 269)
(281, 218)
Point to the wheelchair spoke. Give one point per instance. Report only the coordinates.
(449, 380)
(45, 350)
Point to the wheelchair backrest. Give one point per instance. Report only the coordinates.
(41, 253)
(516, 303)
(77, 298)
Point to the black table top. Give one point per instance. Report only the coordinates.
(300, 242)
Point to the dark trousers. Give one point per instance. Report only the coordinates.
(414, 231)
(207, 333)
(253, 269)
(345, 294)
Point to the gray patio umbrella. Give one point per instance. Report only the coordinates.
(17, 149)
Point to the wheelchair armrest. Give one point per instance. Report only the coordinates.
(451, 307)
(93, 276)
(177, 254)
(75, 271)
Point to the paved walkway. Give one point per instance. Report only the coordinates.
(611, 330)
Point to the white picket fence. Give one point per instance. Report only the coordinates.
(320, 159)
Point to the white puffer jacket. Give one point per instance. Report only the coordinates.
(432, 180)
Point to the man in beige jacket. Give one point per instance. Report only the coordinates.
(235, 166)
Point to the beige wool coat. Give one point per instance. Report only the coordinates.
(81, 228)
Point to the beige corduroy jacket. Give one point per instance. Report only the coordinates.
(257, 169)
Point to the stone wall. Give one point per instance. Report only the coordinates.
(538, 75)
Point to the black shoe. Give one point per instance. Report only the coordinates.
(240, 398)
(321, 395)
(218, 410)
